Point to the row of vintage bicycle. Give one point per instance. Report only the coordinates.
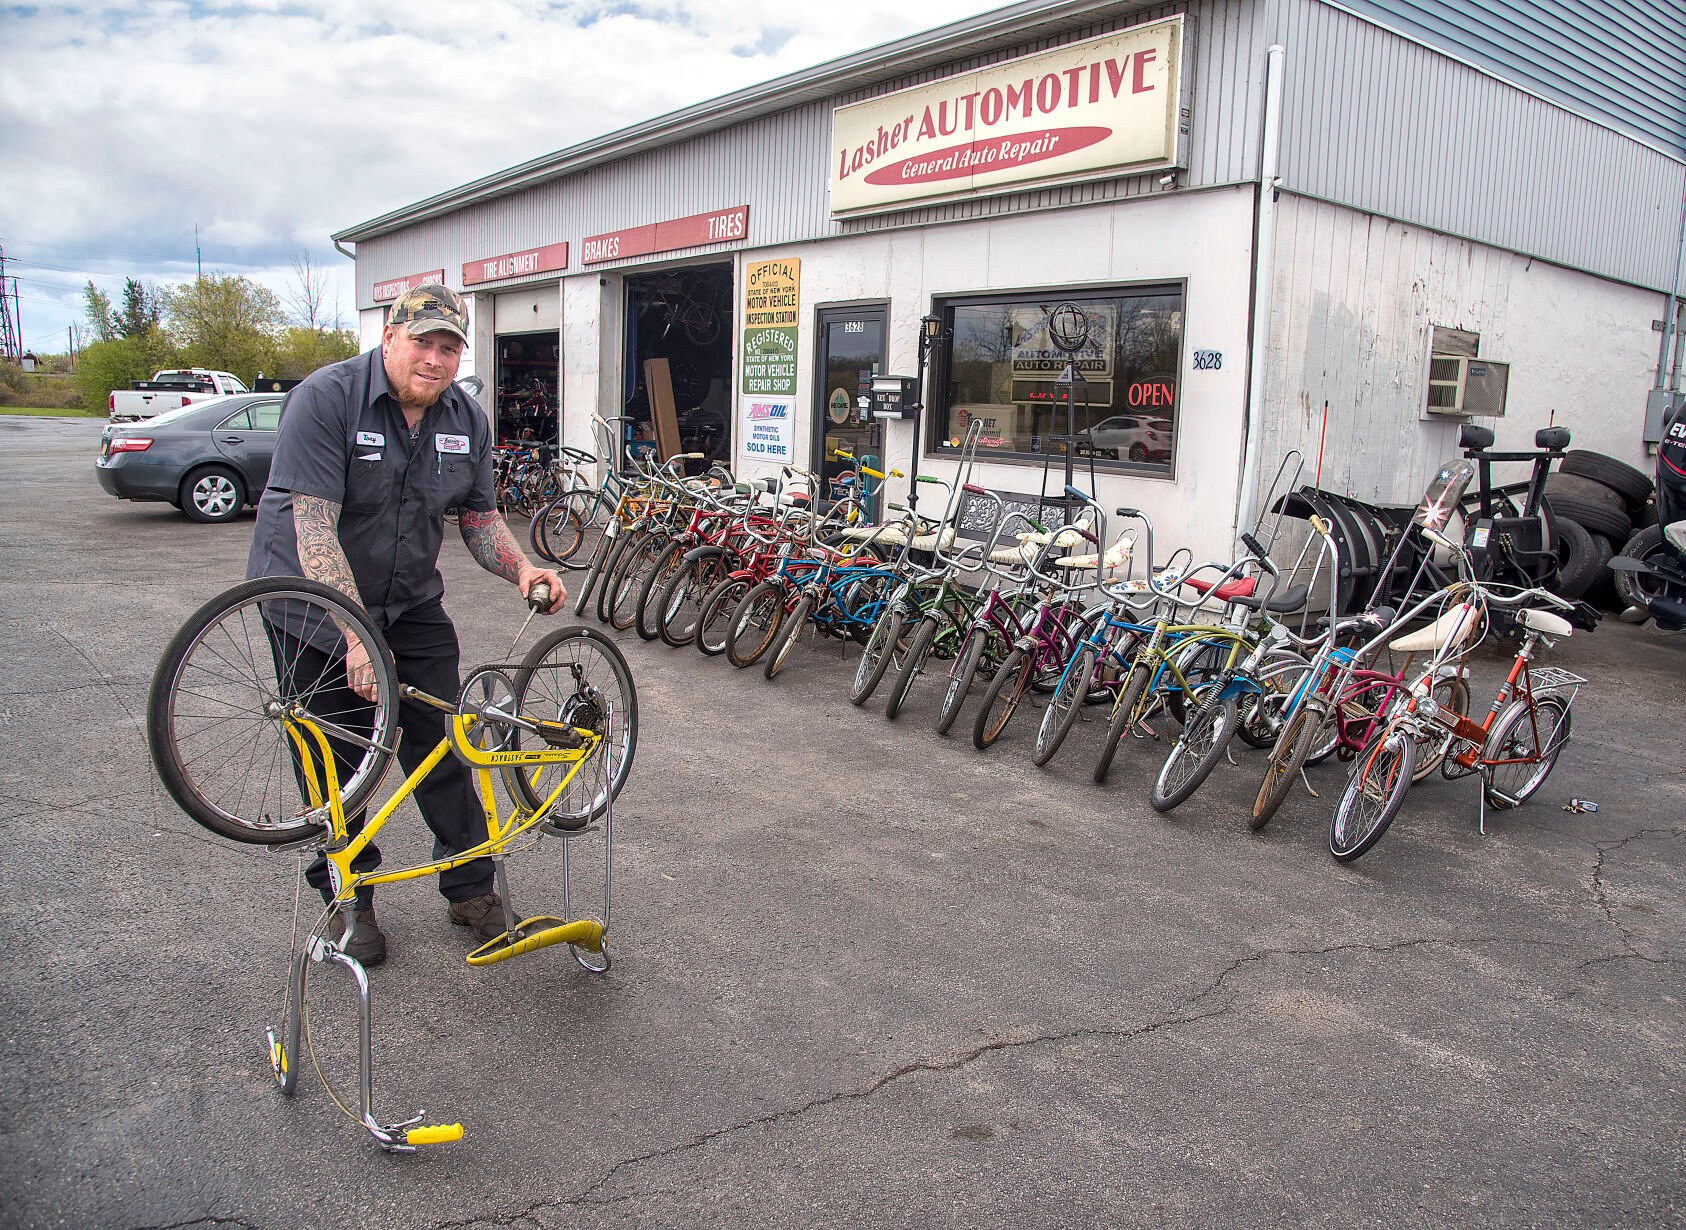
(1187, 654)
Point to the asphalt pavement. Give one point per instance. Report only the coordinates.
(864, 975)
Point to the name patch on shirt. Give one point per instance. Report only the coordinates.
(450, 444)
(371, 437)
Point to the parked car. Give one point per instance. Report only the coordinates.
(1130, 437)
(170, 389)
(209, 459)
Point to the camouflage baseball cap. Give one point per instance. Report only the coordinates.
(430, 306)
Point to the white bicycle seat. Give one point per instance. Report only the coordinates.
(1452, 628)
(1546, 622)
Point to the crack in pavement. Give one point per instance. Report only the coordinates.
(109, 683)
(1601, 895)
(210, 1219)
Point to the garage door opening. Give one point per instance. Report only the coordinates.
(685, 317)
(528, 368)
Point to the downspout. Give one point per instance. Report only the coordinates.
(1669, 347)
(1264, 250)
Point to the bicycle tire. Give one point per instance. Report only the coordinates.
(635, 570)
(1278, 677)
(912, 663)
(1515, 736)
(790, 631)
(558, 532)
(1124, 717)
(1451, 693)
(645, 617)
(594, 572)
(1195, 754)
(961, 675)
(212, 722)
(680, 600)
(1374, 792)
(714, 615)
(607, 579)
(1064, 706)
(753, 623)
(1287, 759)
(877, 654)
(1002, 698)
(579, 676)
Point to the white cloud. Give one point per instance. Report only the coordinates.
(270, 124)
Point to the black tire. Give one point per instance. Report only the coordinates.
(1632, 485)
(1064, 706)
(558, 533)
(1586, 491)
(753, 623)
(578, 676)
(714, 615)
(212, 495)
(1287, 759)
(1123, 718)
(1516, 735)
(1380, 777)
(1596, 517)
(1637, 589)
(610, 571)
(594, 572)
(878, 653)
(1578, 565)
(1195, 753)
(790, 632)
(634, 572)
(963, 673)
(912, 663)
(211, 722)
(1002, 698)
(646, 617)
(681, 598)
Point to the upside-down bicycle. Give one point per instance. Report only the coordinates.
(255, 734)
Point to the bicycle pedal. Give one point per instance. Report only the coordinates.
(538, 932)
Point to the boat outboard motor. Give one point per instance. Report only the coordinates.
(1658, 567)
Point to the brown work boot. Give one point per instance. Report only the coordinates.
(483, 915)
(368, 945)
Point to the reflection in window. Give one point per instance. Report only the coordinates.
(1003, 367)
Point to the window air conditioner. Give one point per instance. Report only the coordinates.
(1464, 386)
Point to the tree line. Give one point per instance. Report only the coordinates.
(222, 322)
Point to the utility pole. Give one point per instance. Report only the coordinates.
(11, 329)
(198, 257)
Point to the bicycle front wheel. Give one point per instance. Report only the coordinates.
(1064, 706)
(1373, 794)
(244, 660)
(753, 623)
(1287, 759)
(912, 663)
(577, 676)
(1523, 748)
(879, 652)
(1196, 753)
(1002, 698)
(960, 677)
(1124, 718)
(714, 616)
(789, 633)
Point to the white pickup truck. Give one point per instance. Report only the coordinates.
(169, 390)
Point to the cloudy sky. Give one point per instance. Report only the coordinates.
(270, 124)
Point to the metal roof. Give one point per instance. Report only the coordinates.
(989, 31)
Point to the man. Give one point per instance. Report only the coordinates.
(370, 455)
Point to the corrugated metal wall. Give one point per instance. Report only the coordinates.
(1623, 63)
(1388, 126)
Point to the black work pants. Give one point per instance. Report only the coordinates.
(424, 647)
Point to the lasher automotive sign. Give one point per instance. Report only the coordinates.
(1104, 106)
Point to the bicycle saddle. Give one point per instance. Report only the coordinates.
(1545, 622)
(1450, 629)
(1229, 591)
(1290, 599)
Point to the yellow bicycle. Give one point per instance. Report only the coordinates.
(256, 735)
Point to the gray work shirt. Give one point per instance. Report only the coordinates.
(343, 438)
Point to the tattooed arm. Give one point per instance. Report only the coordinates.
(316, 527)
(494, 548)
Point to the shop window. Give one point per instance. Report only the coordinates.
(1003, 361)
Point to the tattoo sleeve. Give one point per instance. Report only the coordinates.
(491, 543)
(316, 526)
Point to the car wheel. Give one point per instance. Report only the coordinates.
(212, 494)
(1138, 452)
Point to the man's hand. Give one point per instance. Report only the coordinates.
(359, 674)
(531, 576)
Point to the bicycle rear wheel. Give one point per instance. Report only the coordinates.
(576, 675)
(214, 713)
(1373, 794)
(557, 532)
(1530, 746)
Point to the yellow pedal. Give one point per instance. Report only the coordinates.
(437, 1134)
(537, 933)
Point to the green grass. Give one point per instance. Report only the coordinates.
(49, 412)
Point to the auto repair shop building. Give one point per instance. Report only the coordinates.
(1409, 213)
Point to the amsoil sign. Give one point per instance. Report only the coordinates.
(547, 259)
(1104, 106)
(397, 286)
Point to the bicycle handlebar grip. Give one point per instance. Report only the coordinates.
(1126, 512)
(434, 1134)
(1253, 545)
(926, 478)
(1320, 525)
(538, 597)
(1075, 494)
(841, 455)
(973, 488)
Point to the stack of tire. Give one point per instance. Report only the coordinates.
(1600, 507)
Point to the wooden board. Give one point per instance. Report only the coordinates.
(659, 382)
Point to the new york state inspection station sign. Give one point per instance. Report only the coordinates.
(1101, 107)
